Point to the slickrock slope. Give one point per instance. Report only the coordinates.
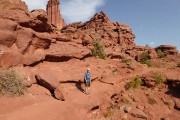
(53, 63)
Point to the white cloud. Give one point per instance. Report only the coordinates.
(80, 10)
(151, 43)
(36, 4)
(71, 10)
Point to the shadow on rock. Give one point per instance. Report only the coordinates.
(79, 86)
(174, 88)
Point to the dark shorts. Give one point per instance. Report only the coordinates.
(87, 84)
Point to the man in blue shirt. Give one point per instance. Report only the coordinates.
(87, 81)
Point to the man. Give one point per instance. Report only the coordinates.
(87, 81)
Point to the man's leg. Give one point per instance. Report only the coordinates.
(88, 88)
(85, 89)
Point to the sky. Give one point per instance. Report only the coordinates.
(154, 22)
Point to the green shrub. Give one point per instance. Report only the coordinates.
(148, 63)
(145, 59)
(11, 83)
(98, 50)
(134, 83)
(159, 78)
(160, 54)
(144, 56)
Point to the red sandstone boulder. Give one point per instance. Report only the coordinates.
(76, 35)
(24, 38)
(168, 49)
(62, 51)
(149, 78)
(7, 38)
(33, 58)
(47, 80)
(37, 20)
(38, 90)
(137, 51)
(137, 113)
(7, 32)
(59, 94)
(40, 15)
(9, 58)
(28, 73)
(63, 38)
(6, 24)
(38, 43)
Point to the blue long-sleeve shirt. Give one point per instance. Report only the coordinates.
(87, 77)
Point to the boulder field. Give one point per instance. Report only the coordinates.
(53, 63)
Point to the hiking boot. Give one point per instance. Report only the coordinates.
(85, 92)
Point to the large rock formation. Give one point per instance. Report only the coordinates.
(11, 4)
(168, 49)
(53, 12)
(116, 37)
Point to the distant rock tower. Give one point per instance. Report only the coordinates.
(53, 12)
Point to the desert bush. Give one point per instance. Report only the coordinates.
(168, 104)
(134, 83)
(115, 70)
(152, 101)
(109, 113)
(98, 50)
(160, 53)
(126, 60)
(126, 100)
(11, 83)
(145, 59)
(62, 85)
(159, 78)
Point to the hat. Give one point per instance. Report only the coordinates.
(88, 69)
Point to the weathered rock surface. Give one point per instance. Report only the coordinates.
(46, 80)
(63, 50)
(13, 4)
(100, 27)
(9, 58)
(59, 94)
(138, 113)
(47, 57)
(24, 38)
(177, 103)
(37, 21)
(168, 49)
(137, 51)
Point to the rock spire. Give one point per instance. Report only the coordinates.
(53, 12)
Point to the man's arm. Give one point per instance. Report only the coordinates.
(85, 77)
